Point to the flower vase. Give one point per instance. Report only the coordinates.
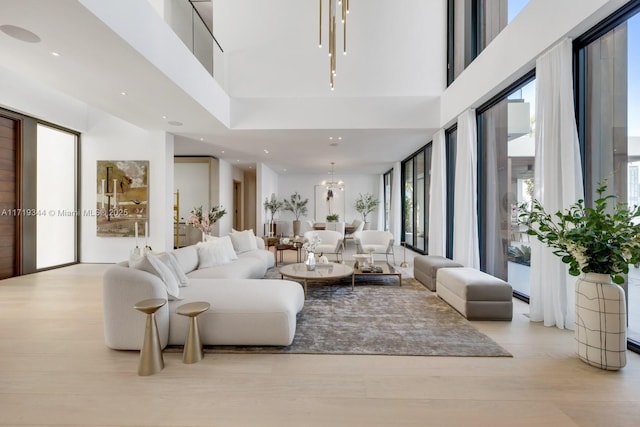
(601, 332)
(310, 262)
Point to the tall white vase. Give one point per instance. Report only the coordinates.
(601, 330)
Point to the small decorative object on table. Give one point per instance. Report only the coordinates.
(310, 247)
(204, 223)
(601, 245)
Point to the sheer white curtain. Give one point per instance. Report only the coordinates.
(558, 182)
(438, 197)
(465, 207)
(395, 224)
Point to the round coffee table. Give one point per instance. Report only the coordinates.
(322, 272)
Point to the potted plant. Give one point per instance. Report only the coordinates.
(333, 218)
(204, 223)
(273, 205)
(600, 243)
(365, 204)
(298, 207)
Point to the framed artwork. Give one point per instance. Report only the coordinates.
(122, 206)
(329, 201)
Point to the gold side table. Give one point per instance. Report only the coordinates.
(151, 361)
(192, 346)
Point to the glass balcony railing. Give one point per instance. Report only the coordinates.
(188, 19)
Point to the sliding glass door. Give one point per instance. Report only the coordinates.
(609, 121)
(416, 171)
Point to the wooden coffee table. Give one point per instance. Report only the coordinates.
(387, 270)
(322, 272)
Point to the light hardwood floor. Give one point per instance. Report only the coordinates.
(56, 370)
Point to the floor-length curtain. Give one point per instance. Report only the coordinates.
(465, 207)
(558, 182)
(395, 222)
(438, 197)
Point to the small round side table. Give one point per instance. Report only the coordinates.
(151, 360)
(192, 345)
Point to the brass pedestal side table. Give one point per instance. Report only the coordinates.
(192, 352)
(151, 361)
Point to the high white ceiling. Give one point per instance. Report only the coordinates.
(282, 112)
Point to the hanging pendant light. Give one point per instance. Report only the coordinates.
(334, 6)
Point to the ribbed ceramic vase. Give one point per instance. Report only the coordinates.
(601, 322)
(310, 262)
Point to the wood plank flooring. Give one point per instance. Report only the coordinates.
(55, 370)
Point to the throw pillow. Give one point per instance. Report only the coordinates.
(211, 254)
(183, 279)
(227, 246)
(243, 241)
(174, 267)
(151, 264)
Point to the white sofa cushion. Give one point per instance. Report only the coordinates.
(242, 268)
(152, 264)
(187, 257)
(170, 261)
(243, 241)
(243, 312)
(227, 246)
(211, 254)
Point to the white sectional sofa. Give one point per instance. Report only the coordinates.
(245, 309)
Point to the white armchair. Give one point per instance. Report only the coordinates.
(331, 242)
(375, 241)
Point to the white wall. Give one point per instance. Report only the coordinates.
(187, 175)
(109, 138)
(539, 26)
(305, 185)
(225, 196)
(266, 184)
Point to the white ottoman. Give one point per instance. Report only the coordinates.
(475, 294)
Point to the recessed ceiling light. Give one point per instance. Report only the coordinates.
(123, 93)
(330, 137)
(284, 170)
(174, 123)
(201, 139)
(19, 33)
(222, 151)
(266, 151)
(340, 138)
(55, 54)
(164, 117)
(237, 161)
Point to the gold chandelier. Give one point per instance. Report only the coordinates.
(333, 11)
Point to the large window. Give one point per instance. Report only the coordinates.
(387, 198)
(416, 177)
(57, 217)
(472, 25)
(609, 120)
(506, 153)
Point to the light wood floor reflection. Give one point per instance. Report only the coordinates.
(56, 370)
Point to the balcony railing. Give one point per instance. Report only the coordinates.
(189, 24)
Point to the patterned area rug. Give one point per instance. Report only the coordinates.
(378, 318)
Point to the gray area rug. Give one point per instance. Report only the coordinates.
(378, 318)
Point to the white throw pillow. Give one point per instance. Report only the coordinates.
(211, 254)
(183, 279)
(172, 263)
(151, 264)
(227, 246)
(243, 241)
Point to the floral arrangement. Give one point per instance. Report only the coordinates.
(202, 222)
(591, 240)
(365, 204)
(311, 245)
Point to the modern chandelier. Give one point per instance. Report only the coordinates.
(332, 184)
(334, 5)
